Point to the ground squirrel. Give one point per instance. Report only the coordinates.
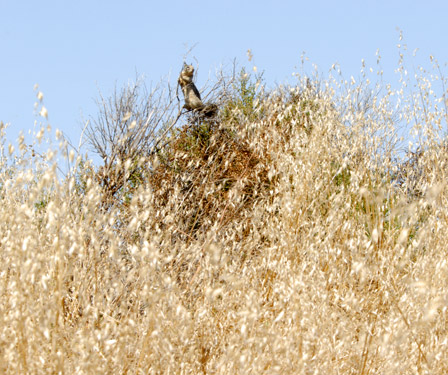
(192, 96)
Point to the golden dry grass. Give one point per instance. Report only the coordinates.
(290, 240)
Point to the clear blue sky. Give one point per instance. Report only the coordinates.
(72, 49)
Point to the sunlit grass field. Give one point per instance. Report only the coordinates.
(304, 230)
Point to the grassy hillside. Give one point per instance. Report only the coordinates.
(291, 234)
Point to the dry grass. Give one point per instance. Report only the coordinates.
(284, 237)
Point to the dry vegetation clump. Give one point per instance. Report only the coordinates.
(288, 235)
